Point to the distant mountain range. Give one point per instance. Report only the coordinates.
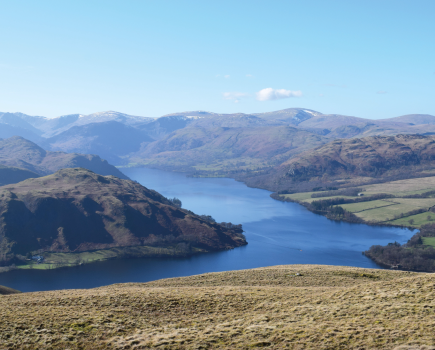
(199, 141)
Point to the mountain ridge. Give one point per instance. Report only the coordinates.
(21, 153)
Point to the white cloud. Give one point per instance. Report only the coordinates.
(381, 92)
(227, 76)
(249, 76)
(234, 96)
(269, 94)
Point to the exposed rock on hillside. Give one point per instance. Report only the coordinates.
(77, 210)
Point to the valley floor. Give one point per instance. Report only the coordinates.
(293, 306)
(396, 210)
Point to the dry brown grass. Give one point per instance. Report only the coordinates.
(325, 308)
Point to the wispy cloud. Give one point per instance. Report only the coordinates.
(270, 94)
(234, 96)
(381, 92)
(227, 76)
(249, 76)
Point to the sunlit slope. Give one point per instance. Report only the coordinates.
(325, 307)
(355, 161)
(227, 148)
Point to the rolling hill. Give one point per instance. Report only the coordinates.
(20, 153)
(10, 175)
(226, 149)
(345, 162)
(7, 291)
(76, 210)
(111, 140)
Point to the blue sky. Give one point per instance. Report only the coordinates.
(372, 59)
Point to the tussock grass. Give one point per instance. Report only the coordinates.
(326, 307)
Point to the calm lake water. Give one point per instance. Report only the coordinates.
(278, 233)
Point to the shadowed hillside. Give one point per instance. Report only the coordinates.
(6, 291)
(293, 306)
(10, 175)
(76, 210)
(21, 153)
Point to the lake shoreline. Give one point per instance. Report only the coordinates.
(278, 233)
(55, 260)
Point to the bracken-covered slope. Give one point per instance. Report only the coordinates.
(400, 156)
(77, 210)
(21, 153)
(325, 307)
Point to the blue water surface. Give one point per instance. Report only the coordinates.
(278, 233)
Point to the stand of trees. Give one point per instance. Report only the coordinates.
(175, 201)
(413, 256)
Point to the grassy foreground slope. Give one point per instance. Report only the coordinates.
(325, 307)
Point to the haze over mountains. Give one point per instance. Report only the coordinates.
(200, 141)
(21, 159)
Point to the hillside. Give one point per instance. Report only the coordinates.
(24, 154)
(353, 162)
(225, 148)
(111, 140)
(76, 210)
(6, 291)
(10, 175)
(325, 307)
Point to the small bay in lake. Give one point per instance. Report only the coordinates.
(278, 233)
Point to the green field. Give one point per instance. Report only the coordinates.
(419, 219)
(385, 210)
(298, 196)
(306, 197)
(384, 213)
(357, 207)
(56, 260)
(403, 187)
(429, 241)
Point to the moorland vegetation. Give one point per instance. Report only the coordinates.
(281, 307)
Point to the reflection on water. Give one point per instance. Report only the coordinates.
(278, 233)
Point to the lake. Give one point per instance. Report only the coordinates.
(278, 233)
